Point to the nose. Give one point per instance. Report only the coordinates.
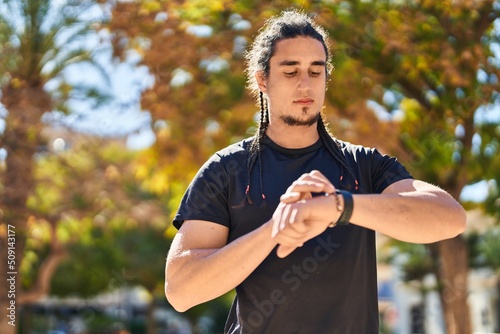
(304, 83)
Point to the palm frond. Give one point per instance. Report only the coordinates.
(81, 55)
(43, 38)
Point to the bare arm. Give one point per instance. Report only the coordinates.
(408, 210)
(201, 267)
(411, 211)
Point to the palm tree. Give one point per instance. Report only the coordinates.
(35, 36)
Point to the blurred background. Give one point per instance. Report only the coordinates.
(108, 109)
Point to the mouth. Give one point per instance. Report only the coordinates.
(304, 101)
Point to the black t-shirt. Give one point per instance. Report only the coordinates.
(329, 285)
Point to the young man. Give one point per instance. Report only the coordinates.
(258, 215)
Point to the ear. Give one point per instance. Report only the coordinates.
(261, 81)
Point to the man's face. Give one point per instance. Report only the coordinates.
(296, 82)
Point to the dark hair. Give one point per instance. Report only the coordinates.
(290, 24)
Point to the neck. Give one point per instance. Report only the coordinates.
(293, 136)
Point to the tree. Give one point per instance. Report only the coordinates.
(196, 86)
(108, 230)
(35, 47)
(435, 59)
(428, 65)
(485, 247)
(415, 263)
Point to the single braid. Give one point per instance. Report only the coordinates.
(256, 148)
(334, 148)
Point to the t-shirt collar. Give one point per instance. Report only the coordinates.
(292, 151)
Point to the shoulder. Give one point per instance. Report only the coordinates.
(367, 157)
(231, 159)
(238, 148)
(376, 169)
(354, 150)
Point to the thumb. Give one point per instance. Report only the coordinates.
(284, 251)
(294, 196)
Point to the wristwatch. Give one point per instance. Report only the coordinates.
(348, 206)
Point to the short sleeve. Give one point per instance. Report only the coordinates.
(386, 170)
(206, 197)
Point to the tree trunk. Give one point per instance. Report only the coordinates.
(57, 253)
(25, 106)
(150, 323)
(452, 273)
(496, 314)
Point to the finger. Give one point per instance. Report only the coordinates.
(284, 218)
(280, 219)
(292, 197)
(297, 215)
(311, 183)
(277, 218)
(287, 240)
(287, 220)
(284, 251)
(291, 221)
(291, 232)
(292, 235)
(288, 236)
(329, 187)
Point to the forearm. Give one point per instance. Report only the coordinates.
(194, 276)
(408, 210)
(419, 217)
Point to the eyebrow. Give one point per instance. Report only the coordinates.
(294, 63)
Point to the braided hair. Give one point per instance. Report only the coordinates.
(290, 24)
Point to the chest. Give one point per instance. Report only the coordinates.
(270, 177)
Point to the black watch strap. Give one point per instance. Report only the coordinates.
(348, 206)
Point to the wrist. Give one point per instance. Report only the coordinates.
(347, 204)
(338, 203)
(270, 230)
(344, 205)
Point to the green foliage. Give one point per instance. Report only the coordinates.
(110, 207)
(426, 54)
(9, 57)
(95, 266)
(414, 260)
(485, 249)
(487, 156)
(430, 54)
(30, 265)
(38, 46)
(93, 205)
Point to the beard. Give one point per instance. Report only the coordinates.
(296, 121)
